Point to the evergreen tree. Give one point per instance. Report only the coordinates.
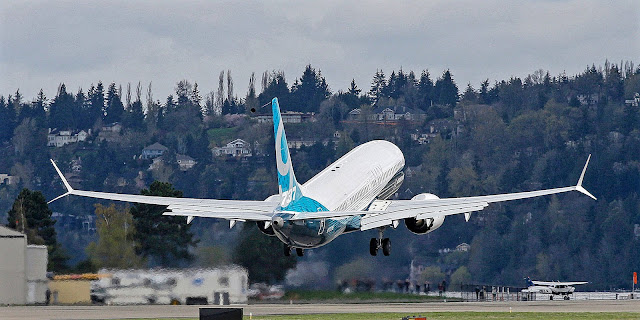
(277, 87)
(484, 92)
(80, 108)
(469, 95)
(40, 109)
(196, 98)
(7, 120)
(425, 90)
(309, 91)
(166, 240)
(446, 90)
(353, 88)
(96, 103)
(114, 108)
(134, 116)
(61, 114)
(31, 215)
(183, 93)
(378, 85)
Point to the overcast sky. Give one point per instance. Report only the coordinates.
(43, 43)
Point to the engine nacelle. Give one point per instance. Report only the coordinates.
(424, 226)
(266, 230)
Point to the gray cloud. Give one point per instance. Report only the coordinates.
(44, 43)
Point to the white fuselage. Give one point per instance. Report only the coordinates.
(559, 289)
(349, 184)
(354, 180)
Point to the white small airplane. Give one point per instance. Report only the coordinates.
(552, 287)
(349, 195)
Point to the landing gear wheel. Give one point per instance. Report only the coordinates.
(566, 297)
(551, 297)
(287, 250)
(300, 252)
(386, 246)
(373, 247)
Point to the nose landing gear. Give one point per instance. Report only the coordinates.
(380, 242)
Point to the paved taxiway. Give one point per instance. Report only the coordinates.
(162, 311)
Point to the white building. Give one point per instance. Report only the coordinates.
(23, 269)
(153, 151)
(6, 179)
(289, 117)
(221, 286)
(58, 138)
(185, 162)
(635, 101)
(235, 148)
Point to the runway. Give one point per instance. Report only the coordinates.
(167, 311)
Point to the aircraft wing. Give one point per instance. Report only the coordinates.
(384, 212)
(555, 283)
(189, 207)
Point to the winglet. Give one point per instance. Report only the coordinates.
(579, 185)
(66, 183)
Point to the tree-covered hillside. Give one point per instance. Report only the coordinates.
(509, 135)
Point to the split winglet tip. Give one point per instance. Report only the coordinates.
(584, 170)
(64, 180)
(579, 186)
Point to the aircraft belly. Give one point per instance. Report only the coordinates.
(311, 233)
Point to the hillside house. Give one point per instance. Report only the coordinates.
(185, 162)
(387, 114)
(635, 101)
(153, 151)
(235, 148)
(289, 117)
(6, 179)
(58, 138)
(110, 132)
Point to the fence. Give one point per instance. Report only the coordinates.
(478, 292)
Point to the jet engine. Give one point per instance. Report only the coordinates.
(424, 226)
(262, 225)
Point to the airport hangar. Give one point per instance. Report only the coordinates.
(23, 269)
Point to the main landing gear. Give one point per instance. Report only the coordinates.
(287, 251)
(380, 242)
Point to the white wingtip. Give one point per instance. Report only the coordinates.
(66, 183)
(58, 197)
(579, 186)
(583, 171)
(584, 191)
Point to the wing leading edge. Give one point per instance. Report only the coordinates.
(422, 209)
(382, 213)
(556, 283)
(236, 210)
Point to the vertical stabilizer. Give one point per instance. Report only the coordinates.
(287, 183)
(529, 282)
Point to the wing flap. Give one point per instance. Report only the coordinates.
(420, 209)
(220, 215)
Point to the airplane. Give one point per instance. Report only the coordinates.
(552, 287)
(349, 195)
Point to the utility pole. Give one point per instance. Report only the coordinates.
(22, 218)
